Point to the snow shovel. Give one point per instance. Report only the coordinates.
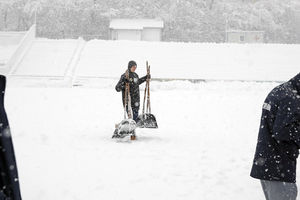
(146, 119)
(127, 126)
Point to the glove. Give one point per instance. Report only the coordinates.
(127, 80)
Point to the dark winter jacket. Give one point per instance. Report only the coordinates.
(279, 134)
(134, 82)
(9, 181)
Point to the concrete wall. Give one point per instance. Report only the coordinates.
(133, 35)
(147, 34)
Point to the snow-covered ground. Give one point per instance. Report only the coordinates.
(203, 148)
(207, 132)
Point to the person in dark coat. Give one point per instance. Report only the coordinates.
(134, 82)
(279, 141)
(9, 180)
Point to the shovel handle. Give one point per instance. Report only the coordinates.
(147, 91)
(127, 99)
(148, 88)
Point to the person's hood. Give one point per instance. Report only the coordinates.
(295, 82)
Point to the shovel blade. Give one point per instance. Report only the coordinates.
(125, 128)
(147, 121)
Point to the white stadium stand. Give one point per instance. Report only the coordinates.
(77, 62)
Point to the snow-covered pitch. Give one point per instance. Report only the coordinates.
(205, 143)
(203, 148)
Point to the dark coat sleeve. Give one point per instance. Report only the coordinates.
(9, 180)
(142, 80)
(287, 125)
(9, 168)
(121, 84)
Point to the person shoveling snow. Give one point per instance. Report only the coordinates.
(129, 85)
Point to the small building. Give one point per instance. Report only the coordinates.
(136, 29)
(245, 36)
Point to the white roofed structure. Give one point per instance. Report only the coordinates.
(136, 29)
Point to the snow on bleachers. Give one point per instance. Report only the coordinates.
(259, 62)
(47, 58)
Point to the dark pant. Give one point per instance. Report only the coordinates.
(276, 190)
(135, 113)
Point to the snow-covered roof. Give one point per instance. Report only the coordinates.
(135, 23)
